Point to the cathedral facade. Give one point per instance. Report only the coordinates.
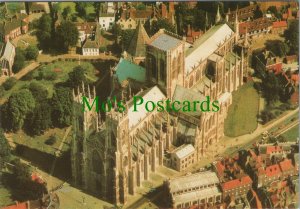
(111, 157)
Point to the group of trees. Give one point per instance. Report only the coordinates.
(31, 108)
(62, 37)
(30, 53)
(292, 36)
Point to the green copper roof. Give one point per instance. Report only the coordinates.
(126, 69)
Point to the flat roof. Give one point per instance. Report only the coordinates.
(194, 180)
(165, 42)
(195, 195)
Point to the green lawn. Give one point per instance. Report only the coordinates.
(5, 197)
(38, 142)
(292, 134)
(242, 114)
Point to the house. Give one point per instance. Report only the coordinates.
(287, 168)
(237, 187)
(264, 176)
(14, 27)
(243, 14)
(130, 17)
(192, 35)
(195, 189)
(90, 48)
(255, 27)
(279, 27)
(106, 21)
(183, 157)
(86, 30)
(7, 56)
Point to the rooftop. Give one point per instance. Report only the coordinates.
(206, 45)
(236, 183)
(184, 150)
(154, 95)
(137, 46)
(194, 180)
(126, 69)
(194, 195)
(165, 42)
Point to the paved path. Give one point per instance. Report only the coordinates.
(22, 72)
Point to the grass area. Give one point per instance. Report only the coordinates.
(242, 114)
(90, 10)
(60, 68)
(5, 197)
(38, 142)
(22, 41)
(292, 134)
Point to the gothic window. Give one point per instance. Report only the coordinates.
(162, 70)
(174, 68)
(179, 63)
(191, 81)
(153, 67)
(97, 163)
(211, 72)
(198, 75)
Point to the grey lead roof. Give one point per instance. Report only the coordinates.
(165, 42)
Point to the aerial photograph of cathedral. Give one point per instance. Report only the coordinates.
(191, 104)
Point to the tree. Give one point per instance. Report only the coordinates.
(20, 104)
(39, 91)
(76, 77)
(40, 119)
(19, 60)
(66, 12)
(31, 52)
(22, 182)
(278, 47)
(116, 31)
(80, 9)
(4, 148)
(9, 83)
(97, 6)
(291, 36)
(66, 35)
(257, 13)
(126, 37)
(273, 10)
(44, 31)
(271, 87)
(162, 23)
(62, 107)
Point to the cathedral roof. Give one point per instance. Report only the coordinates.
(126, 69)
(165, 40)
(135, 117)
(183, 151)
(206, 45)
(137, 46)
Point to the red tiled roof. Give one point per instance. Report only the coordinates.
(17, 206)
(236, 183)
(285, 16)
(36, 178)
(272, 149)
(250, 26)
(286, 165)
(276, 68)
(295, 97)
(272, 170)
(279, 24)
(220, 167)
